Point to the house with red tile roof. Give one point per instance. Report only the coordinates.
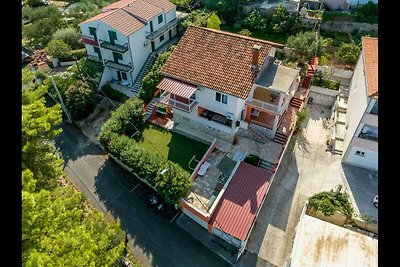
(360, 143)
(126, 33)
(220, 82)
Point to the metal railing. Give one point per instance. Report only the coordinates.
(162, 29)
(119, 66)
(265, 105)
(114, 47)
(167, 100)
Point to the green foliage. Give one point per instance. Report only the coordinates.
(79, 99)
(245, 32)
(280, 55)
(59, 49)
(368, 13)
(78, 53)
(318, 80)
(227, 9)
(195, 18)
(44, 21)
(63, 82)
(349, 53)
(336, 15)
(172, 185)
(34, 3)
(255, 21)
(153, 77)
(182, 4)
(68, 36)
(305, 45)
(330, 202)
(113, 94)
(284, 22)
(57, 230)
(89, 70)
(252, 159)
(123, 120)
(301, 117)
(213, 21)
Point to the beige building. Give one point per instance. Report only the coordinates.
(361, 139)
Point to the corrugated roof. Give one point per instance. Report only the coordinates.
(238, 206)
(123, 22)
(370, 51)
(177, 87)
(216, 59)
(143, 9)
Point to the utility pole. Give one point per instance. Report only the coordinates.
(61, 100)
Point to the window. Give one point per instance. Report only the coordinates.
(218, 97)
(360, 153)
(162, 38)
(160, 19)
(124, 77)
(224, 99)
(97, 51)
(369, 132)
(92, 32)
(117, 56)
(113, 36)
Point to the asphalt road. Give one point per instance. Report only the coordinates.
(152, 238)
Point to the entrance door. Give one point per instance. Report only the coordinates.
(119, 75)
(152, 46)
(170, 34)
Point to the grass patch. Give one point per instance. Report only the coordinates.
(173, 146)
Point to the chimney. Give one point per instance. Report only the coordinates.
(256, 55)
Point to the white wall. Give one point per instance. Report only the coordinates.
(226, 237)
(369, 161)
(195, 218)
(170, 15)
(138, 51)
(357, 102)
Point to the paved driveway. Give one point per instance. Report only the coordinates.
(153, 239)
(306, 168)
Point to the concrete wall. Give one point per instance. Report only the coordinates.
(369, 160)
(348, 26)
(357, 102)
(323, 96)
(230, 239)
(195, 218)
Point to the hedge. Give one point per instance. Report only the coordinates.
(113, 94)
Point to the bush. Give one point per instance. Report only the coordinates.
(283, 21)
(213, 21)
(78, 53)
(332, 15)
(63, 82)
(68, 36)
(318, 80)
(349, 53)
(252, 159)
(329, 202)
(79, 99)
(368, 13)
(255, 21)
(59, 49)
(305, 45)
(113, 94)
(245, 32)
(301, 116)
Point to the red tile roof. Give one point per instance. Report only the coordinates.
(97, 17)
(370, 51)
(238, 206)
(123, 22)
(117, 4)
(143, 9)
(163, 4)
(216, 59)
(177, 87)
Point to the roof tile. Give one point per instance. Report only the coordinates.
(143, 9)
(370, 50)
(123, 22)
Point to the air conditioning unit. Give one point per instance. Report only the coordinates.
(146, 43)
(230, 116)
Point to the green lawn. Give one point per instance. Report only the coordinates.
(174, 147)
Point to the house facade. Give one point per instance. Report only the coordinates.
(219, 82)
(361, 139)
(124, 35)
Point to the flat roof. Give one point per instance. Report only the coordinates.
(238, 206)
(319, 243)
(276, 77)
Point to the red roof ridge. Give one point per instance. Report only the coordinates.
(238, 35)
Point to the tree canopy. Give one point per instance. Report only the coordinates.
(283, 21)
(213, 21)
(349, 53)
(305, 45)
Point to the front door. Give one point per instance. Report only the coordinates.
(170, 34)
(119, 75)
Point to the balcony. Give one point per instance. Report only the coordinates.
(89, 40)
(265, 106)
(178, 102)
(119, 66)
(161, 30)
(114, 47)
(94, 58)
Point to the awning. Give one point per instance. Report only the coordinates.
(176, 87)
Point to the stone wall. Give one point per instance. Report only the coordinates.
(348, 26)
(323, 96)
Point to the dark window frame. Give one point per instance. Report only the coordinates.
(92, 31)
(124, 74)
(162, 37)
(160, 19)
(224, 97)
(218, 97)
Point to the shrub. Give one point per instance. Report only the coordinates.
(283, 21)
(79, 99)
(318, 80)
(332, 15)
(368, 13)
(113, 94)
(196, 18)
(252, 159)
(329, 202)
(245, 32)
(255, 21)
(213, 21)
(59, 49)
(78, 53)
(301, 116)
(349, 53)
(63, 82)
(68, 36)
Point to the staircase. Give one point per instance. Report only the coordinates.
(280, 138)
(145, 69)
(267, 165)
(150, 108)
(259, 136)
(296, 102)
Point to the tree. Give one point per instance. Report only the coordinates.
(255, 21)
(329, 202)
(213, 21)
(245, 32)
(368, 13)
(283, 21)
(59, 49)
(68, 36)
(304, 46)
(196, 18)
(349, 53)
(227, 9)
(79, 99)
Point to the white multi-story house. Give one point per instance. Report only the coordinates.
(219, 82)
(361, 139)
(126, 33)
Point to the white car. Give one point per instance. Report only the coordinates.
(376, 201)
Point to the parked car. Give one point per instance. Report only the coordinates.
(376, 201)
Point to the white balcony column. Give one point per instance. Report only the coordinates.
(275, 125)
(280, 102)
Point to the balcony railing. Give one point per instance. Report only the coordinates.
(89, 40)
(94, 58)
(265, 106)
(167, 100)
(114, 47)
(161, 30)
(119, 66)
